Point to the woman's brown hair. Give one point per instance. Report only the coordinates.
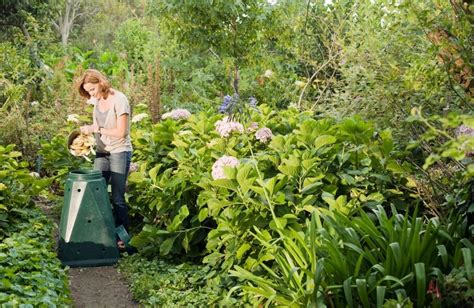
(95, 77)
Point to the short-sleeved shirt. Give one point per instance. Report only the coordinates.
(113, 144)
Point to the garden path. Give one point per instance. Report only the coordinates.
(101, 286)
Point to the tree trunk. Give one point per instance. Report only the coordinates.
(67, 19)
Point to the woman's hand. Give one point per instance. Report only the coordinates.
(89, 129)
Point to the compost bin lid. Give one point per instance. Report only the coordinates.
(85, 175)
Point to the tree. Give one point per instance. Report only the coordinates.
(68, 15)
(226, 28)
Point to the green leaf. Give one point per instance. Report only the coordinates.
(362, 291)
(290, 167)
(259, 190)
(185, 242)
(376, 197)
(420, 283)
(348, 291)
(456, 154)
(395, 167)
(243, 178)
(380, 295)
(242, 249)
(153, 173)
(270, 185)
(324, 140)
(430, 160)
(215, 205)
(466, 253)
(225, 183)
(203, 213)
(278, 223)
(178, 219)
(309, 208)
(167, 245)
(229, 172)
(329, 199)
(443, 253)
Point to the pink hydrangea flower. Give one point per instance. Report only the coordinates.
(464, 130)
(176, 114)
(225, 127)
(218, 167)
(264, 134)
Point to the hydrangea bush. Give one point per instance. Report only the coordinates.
(290, 166)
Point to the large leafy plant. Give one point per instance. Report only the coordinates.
(308, 164)
(355, 260)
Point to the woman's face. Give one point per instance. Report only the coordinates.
(93, 89)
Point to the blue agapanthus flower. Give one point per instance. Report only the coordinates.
(236, 108)
(226, 104)
(230, 104)
(253, 102)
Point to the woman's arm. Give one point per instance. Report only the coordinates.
(120, 130)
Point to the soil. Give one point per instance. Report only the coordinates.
(101, 286)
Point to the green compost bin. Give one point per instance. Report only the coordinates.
(87, 230)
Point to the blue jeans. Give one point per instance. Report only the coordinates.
(115, 167)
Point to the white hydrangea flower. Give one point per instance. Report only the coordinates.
(166, 115)
(34, 103)
(34, 174)
(268, 74)
(73, 118)
(264, 134)
(176, 114)
(225, 127)
(139, 117)
(218, 167)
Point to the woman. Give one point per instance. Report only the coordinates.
(111, 127)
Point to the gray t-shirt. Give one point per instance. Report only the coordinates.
(112, 144)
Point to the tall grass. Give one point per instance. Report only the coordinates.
(359, 260)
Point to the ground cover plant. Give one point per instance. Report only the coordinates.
(168, 283)
(29, 270)
(31, 273)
